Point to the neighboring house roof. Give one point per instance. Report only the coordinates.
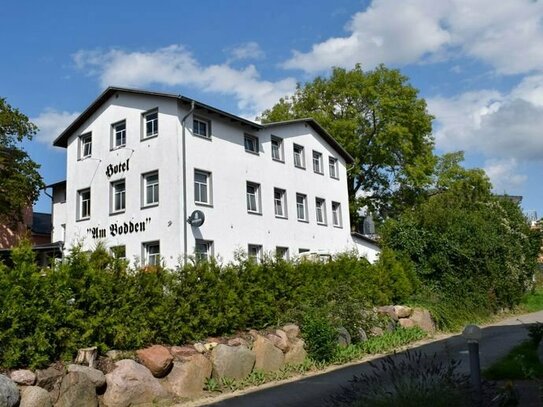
(56, 184)
(366, 238)
(41, 223)
(62, 140)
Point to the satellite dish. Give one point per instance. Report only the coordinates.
(196, 218)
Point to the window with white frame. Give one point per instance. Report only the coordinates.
(118, 131)
(317, 162)
(202, 187)
(201, 127)
(281, 253)
(85, 145)
(320, 211)
(333, 167)
(299, 158)
(150, 188)
(301, 207)
(277, 148)
(84, 199)
(251, 143)
(118, 196)
(150, 120)
(280, 202)
(253, 197)
(254, 251)
(203, 250)
(151, 253)
(336, 214)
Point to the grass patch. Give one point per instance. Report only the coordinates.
(533, 301)
(522, 363)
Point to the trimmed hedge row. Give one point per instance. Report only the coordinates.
(95, 300)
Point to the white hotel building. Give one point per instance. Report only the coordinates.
(141, 167)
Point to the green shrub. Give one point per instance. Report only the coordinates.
(321, 338)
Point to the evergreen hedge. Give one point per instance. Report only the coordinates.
(95, 300)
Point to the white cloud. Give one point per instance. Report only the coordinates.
(505, 34)
(504, 175)
(175, 66)
(495, 124)
(51, 123)
(249, 50)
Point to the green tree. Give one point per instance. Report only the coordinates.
(20, 181)
(379, 119)
(474, 252)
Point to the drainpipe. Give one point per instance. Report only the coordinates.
(184, 144)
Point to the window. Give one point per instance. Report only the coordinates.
(332, 164)
(317, 162)
(150, 188)
(118, 196)
(84, 197)
(85, 145)
(203, 250)
(119, 252)
(254, 252)
(277, 148)
(201, 127)
(299, 159)
(119, 134)
(336, 214)
(151, 253)
(202, 187)
(320, 210)
(281, 252)
(279, 200)
(300, 251)
(151, 124)
(253, 197)
(301, 207)
(251, 144)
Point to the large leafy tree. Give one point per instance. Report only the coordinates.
(20, 181)
(381, 121)
(474, 251)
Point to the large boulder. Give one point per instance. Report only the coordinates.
(423, 319)
(238, 342)
(130, 384)
(268, 358)
(49, 378)
(23, 377)
(234, 362)
(387, 310)
(77, 390)
(343, 337)
(280, 339)
(97, 378)
(296, 354)
(180, 352)
(292, 331)
(157, 359)
(402, 311)
(188, 377)
(9, 393)
(35, 396)
(406, 323)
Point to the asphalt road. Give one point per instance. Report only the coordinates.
(498, 339)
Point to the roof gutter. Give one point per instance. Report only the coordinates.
(184, 158)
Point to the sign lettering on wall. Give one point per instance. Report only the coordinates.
(117, 168)
(116, 229)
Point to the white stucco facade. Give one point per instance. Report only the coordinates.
(228, 169)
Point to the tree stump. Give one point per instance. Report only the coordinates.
(87, 355)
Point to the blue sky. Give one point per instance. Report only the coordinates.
(478, 63)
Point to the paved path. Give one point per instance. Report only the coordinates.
(498, 339)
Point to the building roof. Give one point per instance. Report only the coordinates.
(56, 184)
(62, 139)
(365, 238)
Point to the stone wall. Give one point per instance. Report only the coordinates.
(161, 373)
